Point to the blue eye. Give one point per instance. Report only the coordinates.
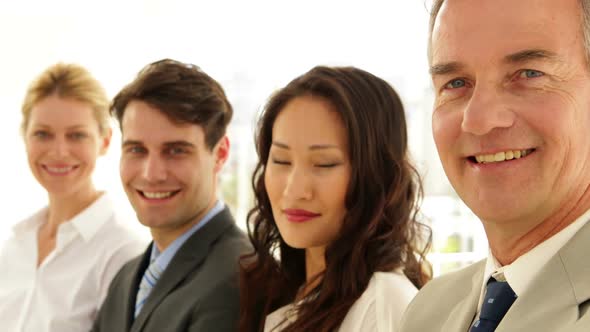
(455, 84)
(41, 134)
(530, 73)
(135, 150)
(176, 151)
(77, 135)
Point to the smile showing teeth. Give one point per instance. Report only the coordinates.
(157, 195)
(60, 170)
(502, 156)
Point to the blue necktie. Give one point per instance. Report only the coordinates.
(498, 299)
(149, 280)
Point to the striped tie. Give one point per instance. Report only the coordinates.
(149, 280)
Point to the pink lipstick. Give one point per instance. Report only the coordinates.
(299, 215)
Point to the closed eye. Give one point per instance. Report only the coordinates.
(327, 165)
(281, 162)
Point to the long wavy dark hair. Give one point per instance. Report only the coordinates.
(380, 231)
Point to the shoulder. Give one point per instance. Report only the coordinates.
(460, 279)
(125, 275)
(441, 294)
(393, 283)
(118, 237)
(381, 305)
(282, 316)
(19, 242)
(231, 241)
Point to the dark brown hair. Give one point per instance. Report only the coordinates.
(380, 231)
(183, 92)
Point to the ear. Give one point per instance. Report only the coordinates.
(221, 152)
(105, 141)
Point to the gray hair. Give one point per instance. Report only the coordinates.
(585, 4)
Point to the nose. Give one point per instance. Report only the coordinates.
(154, 169)
(487, 110)
(299, 185)
(60, 147)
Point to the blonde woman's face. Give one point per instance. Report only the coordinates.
(63, 141)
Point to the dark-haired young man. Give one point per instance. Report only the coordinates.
(173, 119)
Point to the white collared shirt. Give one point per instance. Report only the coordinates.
(64, 293)
(378, 309)
(521, 273)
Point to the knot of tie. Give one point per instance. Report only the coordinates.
(498, 299)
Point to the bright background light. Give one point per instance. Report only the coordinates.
(252, 48)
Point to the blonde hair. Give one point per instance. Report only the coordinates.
(68, 81)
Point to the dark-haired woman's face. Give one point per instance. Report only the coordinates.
(307, 172)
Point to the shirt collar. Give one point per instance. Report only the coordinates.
(520, 273)
(163, 258)
(86, 223)
(91, 219)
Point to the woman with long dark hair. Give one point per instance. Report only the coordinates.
(337, 244)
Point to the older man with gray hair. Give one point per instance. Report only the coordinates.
(511, 122)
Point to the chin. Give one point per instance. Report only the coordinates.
(296, 244)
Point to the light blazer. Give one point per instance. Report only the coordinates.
(198, 291)
(557, 300)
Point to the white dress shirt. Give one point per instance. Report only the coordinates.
(64, 293)
(521, 273)
(379, 309)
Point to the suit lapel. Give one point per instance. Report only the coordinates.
(187, 259)
(546, 305)
(553, 298)
(461, 317)
(577, 265)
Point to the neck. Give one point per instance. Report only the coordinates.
(64, 207)
(164, 236)
(315, 265)
(508, 242)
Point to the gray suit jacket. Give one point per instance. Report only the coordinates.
(198, 291)
(558, 299)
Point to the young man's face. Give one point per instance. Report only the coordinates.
(512, 108)
(168, 172)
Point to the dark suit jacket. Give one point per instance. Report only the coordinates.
(198, 291)
(558, 299)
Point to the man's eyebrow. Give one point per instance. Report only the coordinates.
(445, 68)
(179, 143)
(131, 142)
(529, 55)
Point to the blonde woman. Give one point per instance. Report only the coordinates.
(58, 263)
